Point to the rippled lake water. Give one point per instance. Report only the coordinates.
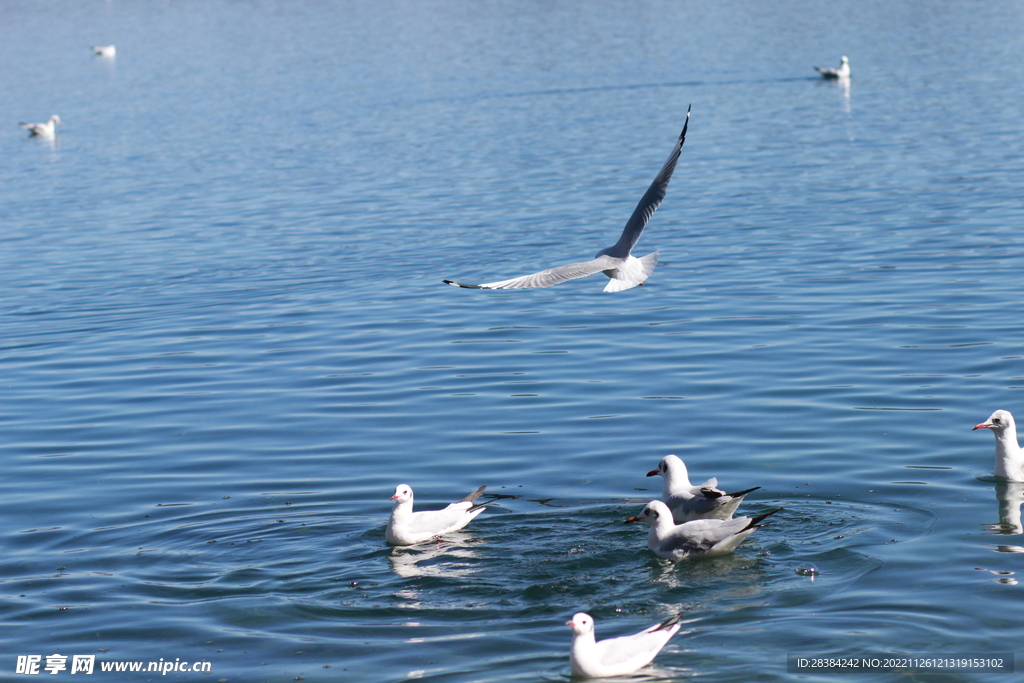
(225, 339)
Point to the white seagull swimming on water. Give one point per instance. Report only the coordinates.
(1009, 457)
(625, 270)
(842, 72)
(615, 656)
(699, 537)
(105, 50)
(687, 501)
(407, 527)
(43, 130)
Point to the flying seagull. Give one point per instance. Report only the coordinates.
(625, 270)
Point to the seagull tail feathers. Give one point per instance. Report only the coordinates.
(647, 265)
(474, 495)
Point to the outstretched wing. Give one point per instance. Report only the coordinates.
(546, 278)
(651, 200)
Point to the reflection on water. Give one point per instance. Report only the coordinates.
(843, 86)
(1009, 549)
(1010, 496)
(451, 557)
(49, 142)
(726, 580)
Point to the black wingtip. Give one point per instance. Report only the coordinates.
(712, 494)
(760, 518)
(669, 623)
(742, 493)
(686, 124)
(453, 283)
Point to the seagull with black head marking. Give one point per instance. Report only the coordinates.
(617, 262)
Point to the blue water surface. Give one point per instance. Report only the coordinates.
(224, 338)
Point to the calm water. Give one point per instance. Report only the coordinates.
(225, 339)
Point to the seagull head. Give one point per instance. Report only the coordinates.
(673, 469)
(653, 514)
(997, 422)
(54, 119)
(581, 623)
(670, 464)
(403, 494)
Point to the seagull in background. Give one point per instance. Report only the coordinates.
(687, 502)
(105, 50)
(829, 73)
(625, 270)
(43, 130)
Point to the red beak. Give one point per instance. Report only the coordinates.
(631, 520)
(394, 497)
(653, 473)
(983, 425)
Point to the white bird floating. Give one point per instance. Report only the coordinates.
(842, 72)
(43, 130)
(617, 262)
(689, 502)
(105, 50)
(1009, 457)
(615, 656)
(407, 527)
(700, 537)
